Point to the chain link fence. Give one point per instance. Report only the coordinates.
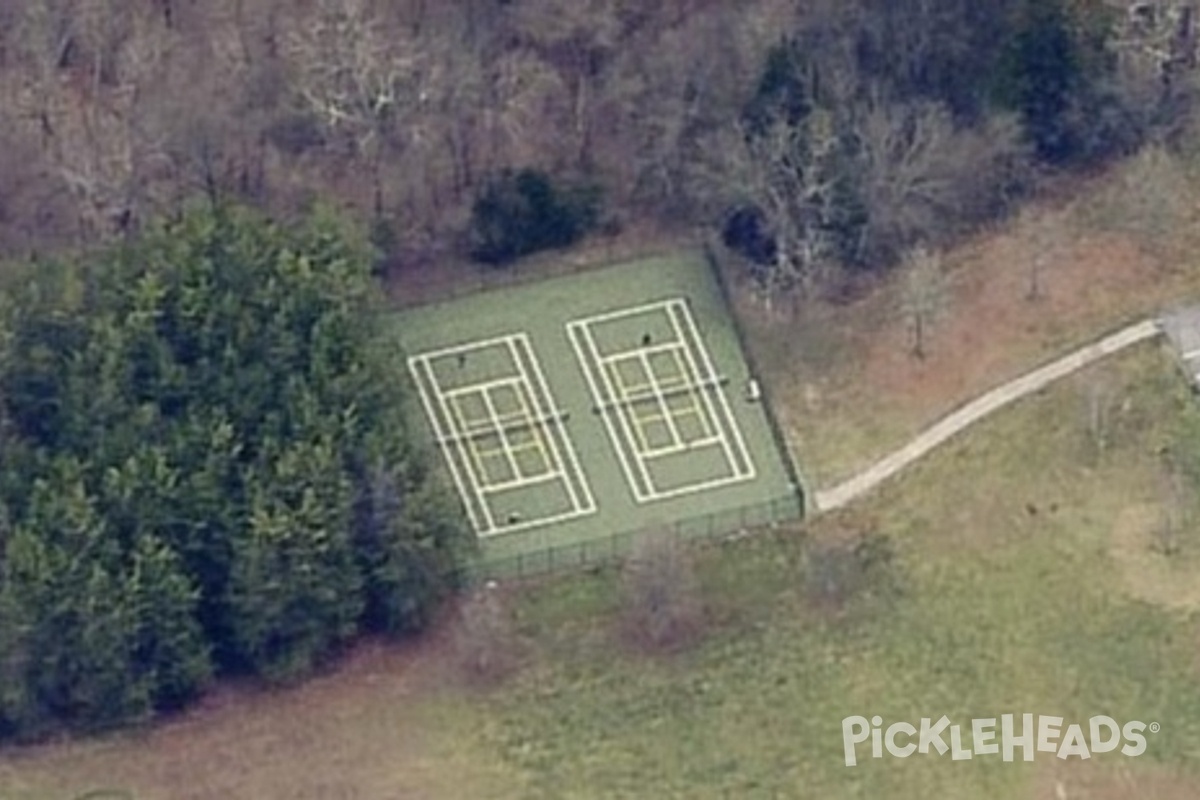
(609, 549)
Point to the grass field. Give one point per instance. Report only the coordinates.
(998, 609)
(1002, 609)
(1026, 580)
(847, 389)
(593, 405)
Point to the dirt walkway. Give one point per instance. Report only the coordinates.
(948, 426)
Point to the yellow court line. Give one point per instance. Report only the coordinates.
(539, 437)
(471, 434)
(494, 455)
(468, 437)
(639, 423)
(539, 445)
(705, 419)
(482, 454)
(465, 428)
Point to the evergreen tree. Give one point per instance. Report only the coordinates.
(191, 427)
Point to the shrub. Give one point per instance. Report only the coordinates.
(518, 213)
(485, 640)
(203, 471)
(746, 234)
(663, 608)
(837, 572)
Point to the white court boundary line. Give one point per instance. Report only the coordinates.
(683, 311)
(475, 480)
(498, 425)
(637, 422)
(468, 485)
(549, 458)
(694, 392)
(585, 336)
(417, 365)
(467, 435)
(587, 502)
(591, 360)
(669, 416)
(482, 491)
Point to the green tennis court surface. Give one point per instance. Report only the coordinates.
(661, 399)
(501, 435)
(597, 404)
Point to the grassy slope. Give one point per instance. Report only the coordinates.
(1004, 611)
(846, 387)
(1001, 611)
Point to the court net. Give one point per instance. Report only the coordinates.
(665, 391)
(504, 427)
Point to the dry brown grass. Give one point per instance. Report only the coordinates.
(847, 387)
(1138, 780)
(1150, 574)
(358, 733)
(847, 391)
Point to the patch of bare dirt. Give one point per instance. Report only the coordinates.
(1170, 581)
(352, 732)
(991, 329)
(1093, 780)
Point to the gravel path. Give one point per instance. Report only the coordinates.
(948, 426)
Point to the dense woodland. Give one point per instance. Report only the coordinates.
(204, 471)
(816, 133)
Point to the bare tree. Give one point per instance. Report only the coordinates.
(924, 296)
(1155, 197)
(908, 184)
(662, 602)
(485, 638)
(922, 176)
(691, 82)
(358, 77)
(1099, 398)
(1156, 45)
(1044, 240)
(102, 150)
(1174, 515)
(44, 37)
(102, 27)
(787, 173)
(578, 38)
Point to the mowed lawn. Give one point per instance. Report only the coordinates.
(1010, 601)
(1012, 594)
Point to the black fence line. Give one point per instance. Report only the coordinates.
(598, 551)
(488, 279)
(795, 476)
(608, 549)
